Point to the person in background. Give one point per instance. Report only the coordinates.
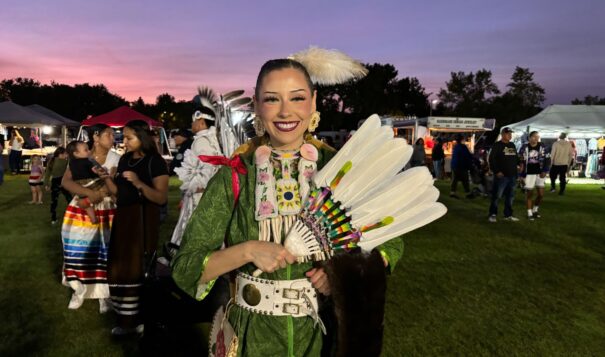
(418, 156)
(88, 277)
(141, 187)
(16, 149)
(534, 167)
(437, 156)
(195, 173)
(52, 181)
(561, 156)
(503, 162)
(603, 165)
(33, 140)
(1, 159)
(35, 180)
(462, 161)
(183, 141)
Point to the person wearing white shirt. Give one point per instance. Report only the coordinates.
(561, 156)
(14, 157)
(195, 173)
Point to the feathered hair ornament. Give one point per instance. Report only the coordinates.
(205, 104)
(328, 67)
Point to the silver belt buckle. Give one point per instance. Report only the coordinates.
(291, 294)
(292, 309)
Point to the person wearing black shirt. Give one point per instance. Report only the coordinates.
(503, 163)
(462, 162)
(141, 186)
(183, 140)
(437, 157)
(534, 167)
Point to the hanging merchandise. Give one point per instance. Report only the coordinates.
(601, 143)
(592, 145)
(581, 147)
(592, 165)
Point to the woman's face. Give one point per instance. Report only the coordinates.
(105, 139)
(285, 105)
(131, 141)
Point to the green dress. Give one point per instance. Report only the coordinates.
(215, 217)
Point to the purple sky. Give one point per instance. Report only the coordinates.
(145, 48)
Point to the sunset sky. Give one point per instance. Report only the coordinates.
(145, 48)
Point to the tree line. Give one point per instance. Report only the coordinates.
(472, 94)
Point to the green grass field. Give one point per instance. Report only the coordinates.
(464, 287)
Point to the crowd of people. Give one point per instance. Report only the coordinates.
(500, 170)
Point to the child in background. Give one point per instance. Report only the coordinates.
(35, 180)
(52, 181)
(85, 173)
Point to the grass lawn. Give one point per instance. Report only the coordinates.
(464, 286)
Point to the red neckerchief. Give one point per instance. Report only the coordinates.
(236, 164)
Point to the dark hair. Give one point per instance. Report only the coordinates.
(207, 111)
(145, 135)
(96, 129)
(459, 138)
(60, 150)
(532, 133)
(419, 140)
(72, 147)
(278, 64)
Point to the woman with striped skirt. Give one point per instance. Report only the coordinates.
(85, 244)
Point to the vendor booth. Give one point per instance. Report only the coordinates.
(429, 127)
(67, 123)
(34, 125)
(118, 118)
(585, 128)
(446, 128)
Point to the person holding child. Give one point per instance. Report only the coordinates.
(86, 244)
(85, 173)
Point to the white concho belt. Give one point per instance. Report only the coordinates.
(296, 298)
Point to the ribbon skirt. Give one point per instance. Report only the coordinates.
(85, 248)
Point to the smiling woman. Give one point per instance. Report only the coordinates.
(280, 163)
(275, 309)
(285, 102)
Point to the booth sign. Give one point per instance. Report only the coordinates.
(455, 123)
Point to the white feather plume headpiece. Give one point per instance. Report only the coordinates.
(328, 67)
(205, 99)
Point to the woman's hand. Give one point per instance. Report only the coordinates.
(133, 178)
(268, 256)
(319, 280)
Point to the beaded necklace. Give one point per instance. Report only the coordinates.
(278, 195)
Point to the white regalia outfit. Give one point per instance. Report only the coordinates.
(195, 175)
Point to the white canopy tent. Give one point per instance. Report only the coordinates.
(578, 121)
